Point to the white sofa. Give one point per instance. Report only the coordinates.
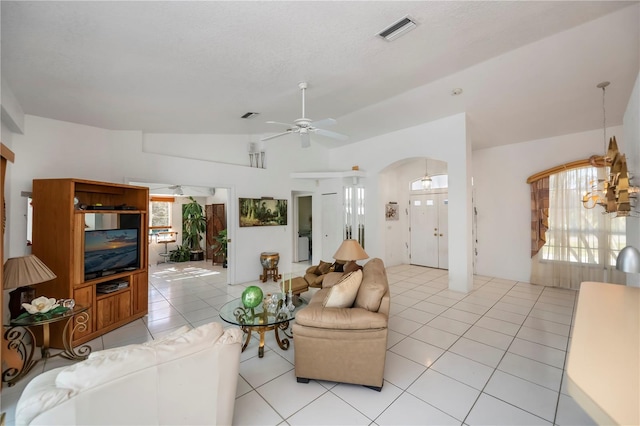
(186, 378)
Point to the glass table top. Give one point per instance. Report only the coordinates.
(39, 319)
(265, 314)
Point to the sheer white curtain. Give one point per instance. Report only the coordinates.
(582, 244)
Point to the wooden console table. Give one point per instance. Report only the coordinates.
(22, 340)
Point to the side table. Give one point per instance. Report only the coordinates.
(21, 339)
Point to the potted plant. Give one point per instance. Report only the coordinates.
(180, 254)
(194, 224)
(220, 246)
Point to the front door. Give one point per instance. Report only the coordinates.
(429, 230)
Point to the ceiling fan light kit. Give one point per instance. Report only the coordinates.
(304, 126)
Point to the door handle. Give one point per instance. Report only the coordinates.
(435, 235)
(441, 235)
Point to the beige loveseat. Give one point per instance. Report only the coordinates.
(187, 378)
(345, 345)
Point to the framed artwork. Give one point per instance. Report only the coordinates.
(391, 211)
(262, 212)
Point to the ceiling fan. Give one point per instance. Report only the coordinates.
(304, 126)
(178, 190)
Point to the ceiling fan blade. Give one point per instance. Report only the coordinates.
(280, 123)
(330, 134)
(305, 140)
(275, 136)
(326, 122)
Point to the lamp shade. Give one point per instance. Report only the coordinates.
(24, 271)
(350, 250)
(628, 260)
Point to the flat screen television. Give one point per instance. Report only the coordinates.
(109, 251)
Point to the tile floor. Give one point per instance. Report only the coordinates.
(495, 356)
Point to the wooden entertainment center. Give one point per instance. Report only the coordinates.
(61, 213)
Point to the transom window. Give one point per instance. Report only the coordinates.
(437, 182)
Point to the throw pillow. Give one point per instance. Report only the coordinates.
(323, 268)
(374, 288)
(351, 267)
(343, 294)
(338, 267)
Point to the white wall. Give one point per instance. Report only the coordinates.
(445, 140)
(502, 196)
(631, 126)
(56, 149)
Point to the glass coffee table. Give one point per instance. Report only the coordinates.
(264, 317)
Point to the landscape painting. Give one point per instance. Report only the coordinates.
(262, 212)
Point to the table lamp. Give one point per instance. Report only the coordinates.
(349, 251)
(19, 273)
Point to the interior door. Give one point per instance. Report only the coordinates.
(331, 226)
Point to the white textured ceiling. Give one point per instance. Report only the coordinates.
(196, 67)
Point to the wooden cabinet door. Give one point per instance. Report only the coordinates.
(140, 293)
(113, 309)
(105, 314)
(122, 306)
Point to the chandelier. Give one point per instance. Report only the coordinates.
(426, 180)
(614, 193)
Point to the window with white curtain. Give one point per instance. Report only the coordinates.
(577, 235)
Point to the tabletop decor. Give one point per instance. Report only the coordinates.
(42, 308)
(252, 296)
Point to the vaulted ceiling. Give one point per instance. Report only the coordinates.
(528, 69)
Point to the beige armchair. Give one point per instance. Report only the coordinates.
(345, 345)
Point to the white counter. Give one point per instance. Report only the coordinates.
(604, 359)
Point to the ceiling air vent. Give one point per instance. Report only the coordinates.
(250, 115)
(397, 29)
